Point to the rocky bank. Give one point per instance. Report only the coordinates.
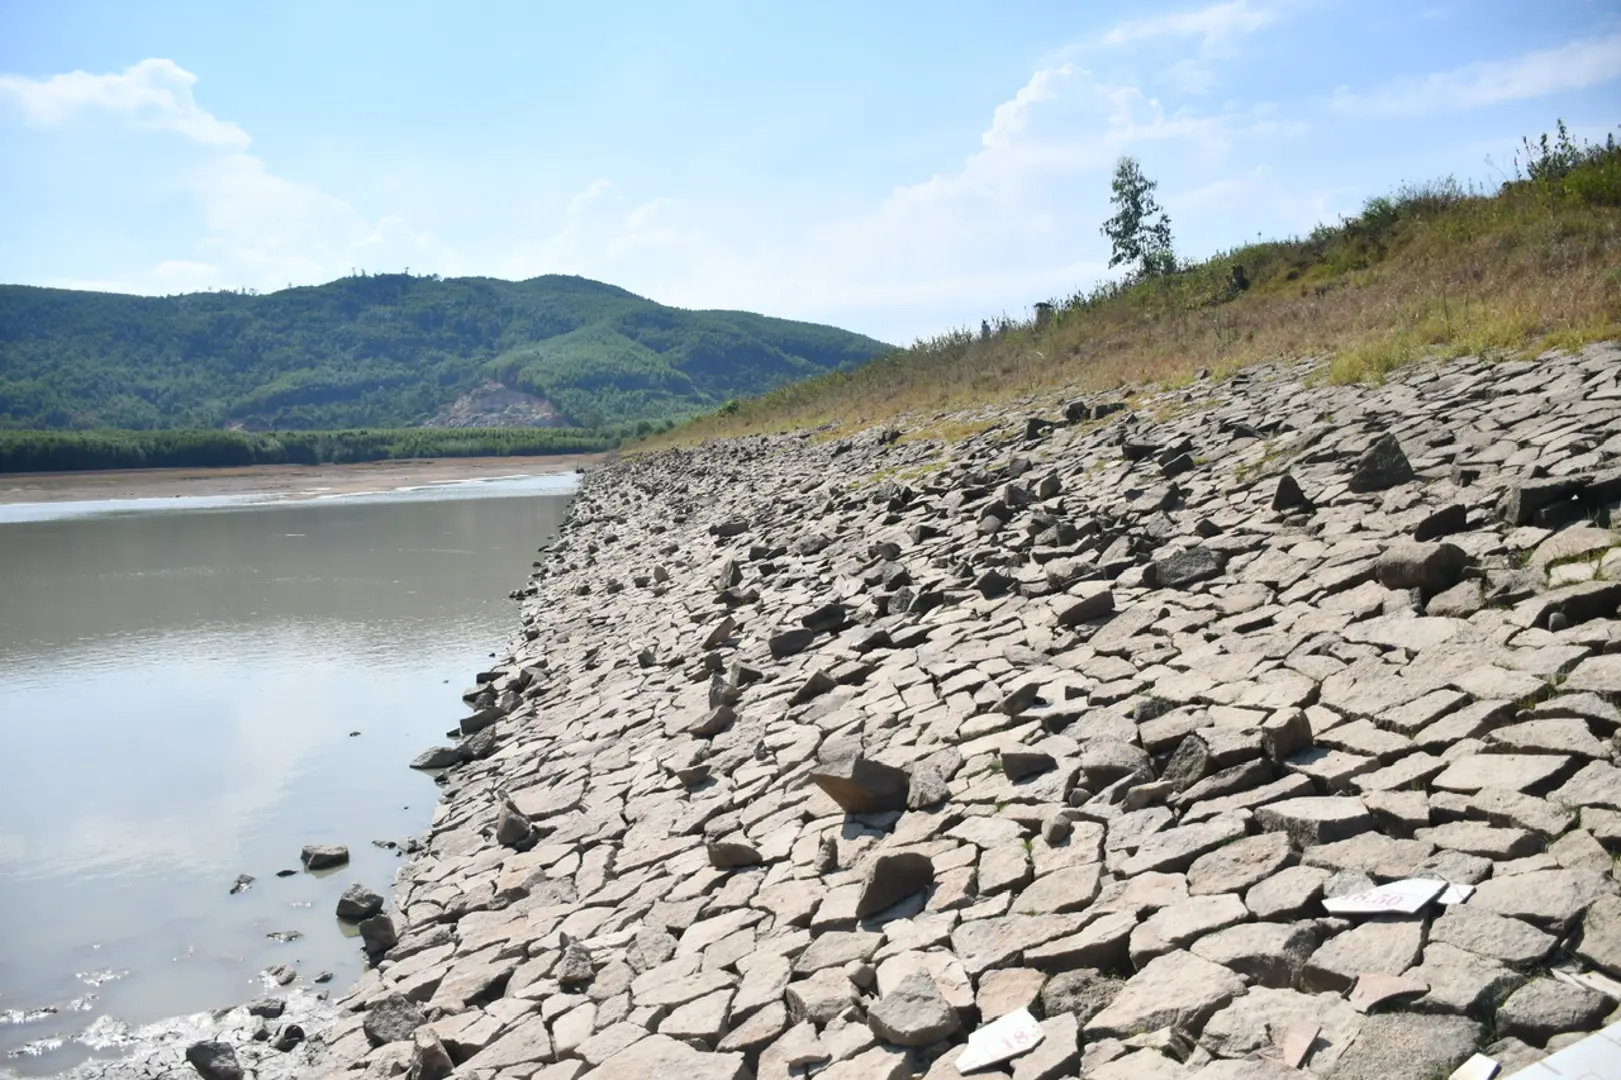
(818, 757)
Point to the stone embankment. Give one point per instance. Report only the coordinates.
(1072, 748)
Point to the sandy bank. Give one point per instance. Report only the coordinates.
(295, 481)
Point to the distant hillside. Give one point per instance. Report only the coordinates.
(390, 350)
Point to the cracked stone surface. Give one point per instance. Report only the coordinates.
(1087, 714)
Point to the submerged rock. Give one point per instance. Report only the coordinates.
(324, 856)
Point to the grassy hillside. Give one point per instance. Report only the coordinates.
(386, 351)
(1432, 270)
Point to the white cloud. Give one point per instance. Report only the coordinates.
(1214, 23)
(259, 229)
(1573, 66)
(1013, 222)
(154, 94)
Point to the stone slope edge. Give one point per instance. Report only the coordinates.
(814, 757)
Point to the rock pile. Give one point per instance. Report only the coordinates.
(1050, 750)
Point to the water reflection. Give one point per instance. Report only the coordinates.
(177, 693)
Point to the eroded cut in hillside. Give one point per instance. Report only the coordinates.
(494, 405)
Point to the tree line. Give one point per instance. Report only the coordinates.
(63, 451)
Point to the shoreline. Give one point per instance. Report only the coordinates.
(289, 481)
(1070, 721)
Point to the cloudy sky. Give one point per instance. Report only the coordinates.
(896, 168)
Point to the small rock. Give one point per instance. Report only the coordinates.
(438, 758)
(1430, 568)
(391, 1019)
(214, 1061)
(359, 902)
(914, 1013)
(892, 878)
(1383, 465)
(1288, 496)
(576, 968)
(429, 1058)
(1185, 568)
(732, 852)
(324, 856)
(378, 934)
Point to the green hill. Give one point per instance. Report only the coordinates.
(388, 350)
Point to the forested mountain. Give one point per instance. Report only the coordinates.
(389, 350)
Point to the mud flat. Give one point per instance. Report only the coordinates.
(1079, 747)
(287, 481)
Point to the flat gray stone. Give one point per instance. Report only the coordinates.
(1597, 784)
(1068, 889)
(1379, 946)
(1485, 933)
(1601, 936)
(1543, 1008)
(1178, 925)
(1379, 856)
(1176, 849)
(1316, 819)
(861, 785)
(660, 1055)
(1270, 954)
(1057, 1055)
(1515, 809)
(1462, 983)
(1487, 841)
(1175, 988)
(1407, 1044)
(1514, 772)
(1600, 674)
(1289, 893)
(1255, 1023)
(1239, 865)
(1552, 900)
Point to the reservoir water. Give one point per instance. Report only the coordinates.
(192, 690)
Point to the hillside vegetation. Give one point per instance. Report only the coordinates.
(63, 451)
(1431, 270)
(386, 350)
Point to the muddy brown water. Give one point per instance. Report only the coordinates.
(179, 681)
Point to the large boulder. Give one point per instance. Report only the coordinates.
(392, 1019)
(914, 1013)
(1429, 568)
(214, 1061)
(359, 902)
(861, 785)
(1383, 465)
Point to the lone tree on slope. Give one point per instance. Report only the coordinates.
(1139, 237)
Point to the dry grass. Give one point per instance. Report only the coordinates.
(1434, 271)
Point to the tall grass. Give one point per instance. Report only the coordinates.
(1433, 269)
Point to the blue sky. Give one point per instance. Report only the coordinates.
(896, 168)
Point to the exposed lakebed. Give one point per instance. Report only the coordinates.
(192, 689)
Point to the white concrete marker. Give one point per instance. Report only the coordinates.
(1005, 1037)
(1406, 897)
